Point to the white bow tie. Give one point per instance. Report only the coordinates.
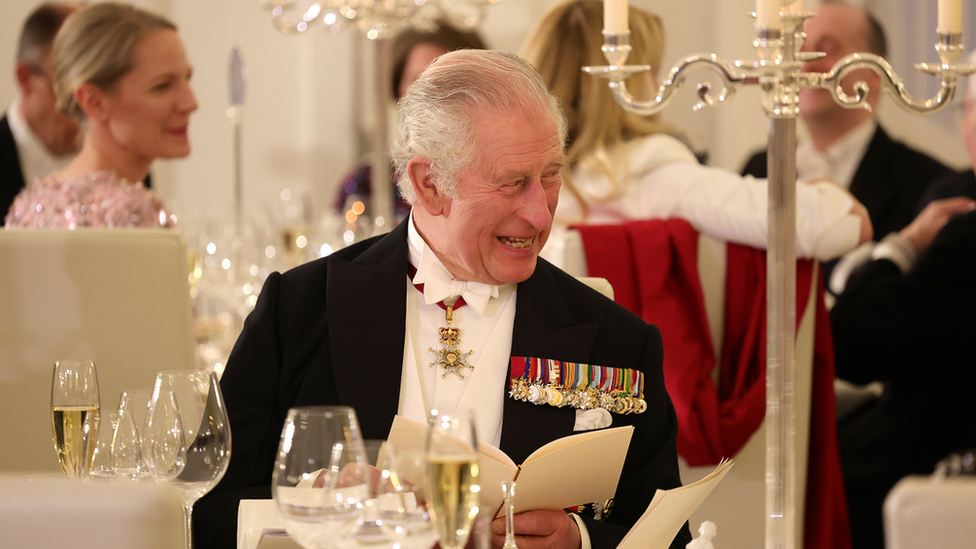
(440, 285)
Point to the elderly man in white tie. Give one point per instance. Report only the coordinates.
(454, 309)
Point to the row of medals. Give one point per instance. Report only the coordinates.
(588, 398)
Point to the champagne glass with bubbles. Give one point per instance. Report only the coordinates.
(452, 458)
(189, 435)
(75, 415)
(321, 478)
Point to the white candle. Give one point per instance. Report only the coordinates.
(767, 14)
(950, 16)
(615, 16)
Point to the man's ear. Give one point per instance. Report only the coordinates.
(23, 74)
(429, 197)
(91, 100)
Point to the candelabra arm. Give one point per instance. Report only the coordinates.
(674, 82)
(889, 82)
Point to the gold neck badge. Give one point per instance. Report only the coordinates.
(448, 356)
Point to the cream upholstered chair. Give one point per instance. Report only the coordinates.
(120, 297)
(737, 505)
(43, 513)
(922, 512)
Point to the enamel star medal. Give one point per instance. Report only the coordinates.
(448, 356)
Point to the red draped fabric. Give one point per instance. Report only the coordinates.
(653, 268)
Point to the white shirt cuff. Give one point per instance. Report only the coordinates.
(897, 250)
(584, 533)
(847, 265)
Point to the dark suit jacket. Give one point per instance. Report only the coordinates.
(915, 332)
(889, 182)
(331, 332)
(11, 175)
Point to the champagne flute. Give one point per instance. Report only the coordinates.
(74, 415)
(320, 480)
(452, 457)
(401, 499)
(189, 435)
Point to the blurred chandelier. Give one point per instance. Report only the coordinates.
(377, 18)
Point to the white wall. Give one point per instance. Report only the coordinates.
(300, 129)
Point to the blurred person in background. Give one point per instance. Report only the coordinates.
(124, 74)
(35, 137)
(905, 318)
(413, 50)
(624, 167)
(847, 145)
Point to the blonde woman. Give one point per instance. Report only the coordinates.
(123, 72)
(624, 167)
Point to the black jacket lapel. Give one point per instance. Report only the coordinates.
(367, 301)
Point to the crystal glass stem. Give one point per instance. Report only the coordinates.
(188, 525)
(508, 489)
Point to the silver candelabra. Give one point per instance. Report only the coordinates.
(378, 20)
(778, 72)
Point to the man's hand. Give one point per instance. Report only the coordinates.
(922, 231)
(549, 529)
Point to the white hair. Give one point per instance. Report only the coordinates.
(438, 115)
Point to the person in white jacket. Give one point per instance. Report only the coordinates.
(622, 166)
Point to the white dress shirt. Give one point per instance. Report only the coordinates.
(35, 160)
(840, 161)
(486, 327)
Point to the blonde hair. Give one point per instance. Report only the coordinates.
(567, 38)
(95, 46)
(438, 117)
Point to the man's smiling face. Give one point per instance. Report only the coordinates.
(501, 219)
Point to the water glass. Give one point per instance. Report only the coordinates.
(130, 448)
(401, 499)
(320, 481)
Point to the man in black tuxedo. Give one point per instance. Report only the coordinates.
(912, 329)
(906, 319)
(35, 138)
(479, 157)
(846, 145)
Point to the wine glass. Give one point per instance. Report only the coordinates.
(321, 479)
(452, 457)
(74, 415)
(401, 499)
(189, 435)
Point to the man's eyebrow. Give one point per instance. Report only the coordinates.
(522, 174)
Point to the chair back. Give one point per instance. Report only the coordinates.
(119, 297)
(921, 512)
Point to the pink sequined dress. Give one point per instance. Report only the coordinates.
(98, 199)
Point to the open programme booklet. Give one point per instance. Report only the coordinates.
(550, 477)
(669, 510)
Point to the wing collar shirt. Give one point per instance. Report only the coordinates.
(485, 321)
(35, 160)
(840, 161)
